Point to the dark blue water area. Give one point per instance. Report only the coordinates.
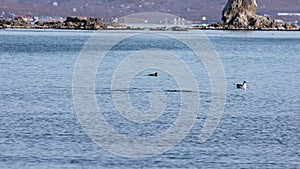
(259, 128)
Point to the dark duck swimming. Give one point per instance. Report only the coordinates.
(153, 74)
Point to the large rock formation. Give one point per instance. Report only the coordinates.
(241, 14)
(238, 12)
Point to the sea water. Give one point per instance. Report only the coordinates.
(259, 128)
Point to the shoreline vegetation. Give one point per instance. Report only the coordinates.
(89, 23)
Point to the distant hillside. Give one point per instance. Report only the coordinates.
(188, 9)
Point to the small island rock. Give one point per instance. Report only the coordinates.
(241, 14)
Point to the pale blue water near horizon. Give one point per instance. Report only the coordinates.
(260, 127)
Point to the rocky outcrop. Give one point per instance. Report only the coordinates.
(241, 14)
(83, 23)
(14, 23)
(238, 12)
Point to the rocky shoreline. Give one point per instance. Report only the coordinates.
(71, 22)
(84, 23)
(221, 26)
(236, 15)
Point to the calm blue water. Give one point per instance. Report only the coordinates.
(260, 127)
